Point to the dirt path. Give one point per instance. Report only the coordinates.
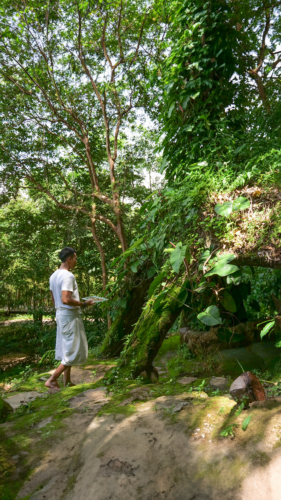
(168, 449)
(142, 442)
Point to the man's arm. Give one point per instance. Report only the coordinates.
(53, 300)
(67, 300)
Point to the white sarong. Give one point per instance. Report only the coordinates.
(71, 342)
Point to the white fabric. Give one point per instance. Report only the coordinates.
(71, 343)
(61, 280)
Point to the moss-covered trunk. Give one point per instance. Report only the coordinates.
(123, 323)
(149, 333)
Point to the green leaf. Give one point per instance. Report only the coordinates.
(222, 269)
(204, 256)
(226, 258)
(127, 252)
(234, 279)
(228, 302)
(267, 328)
(158, 302)
(246, 422)
(225, 209)
(134, 266)
(228, 431)
(210, 316)
(184, 292)
(177, 256)
(155, 283)
(188, 256)
(240, 203)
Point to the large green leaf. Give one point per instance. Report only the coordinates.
(228, 302)
(240, 203)
(177, 256)
(222, 269)
(155, 283)
(158, 301)
(227, 207)
(226, 258)
(210, 316)
(267, 328)
(224, 209)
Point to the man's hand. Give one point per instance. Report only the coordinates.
(90, 302)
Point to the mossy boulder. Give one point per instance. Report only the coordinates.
(5, 409)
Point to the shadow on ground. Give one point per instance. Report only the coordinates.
(169, 448)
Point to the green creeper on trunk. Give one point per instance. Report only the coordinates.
(124, 323)
(149, 333)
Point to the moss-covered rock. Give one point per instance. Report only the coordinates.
(5, 409)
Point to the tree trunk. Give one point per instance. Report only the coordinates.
(256, 261)
(149, 333)
(126, 319)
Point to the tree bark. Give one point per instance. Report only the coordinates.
(256, 261)
(102, 254)
(149, 333)
(126, 319)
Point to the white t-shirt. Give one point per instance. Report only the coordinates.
(61, 280)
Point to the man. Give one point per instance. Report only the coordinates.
(71, 341)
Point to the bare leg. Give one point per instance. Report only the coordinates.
(66, 376)
(52, 381)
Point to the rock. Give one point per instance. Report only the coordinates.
(249, 331)
(179, 407)
(23, 398)
(44, 422)
(218, 383)
(89, 398)
(187, 380)
(5, 408)
(247, 388)
(139, 393)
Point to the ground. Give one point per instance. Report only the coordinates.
(109, 438)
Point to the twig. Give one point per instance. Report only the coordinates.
(206, 261)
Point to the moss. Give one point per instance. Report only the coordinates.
(260, 459)
(215, 473)
(93, 361)
(5, 409)
(6, 464)
(149, 333)
(177, 366)
(170, 344)
(126, 410)
(122, 326)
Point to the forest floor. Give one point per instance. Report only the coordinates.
(180, 438)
